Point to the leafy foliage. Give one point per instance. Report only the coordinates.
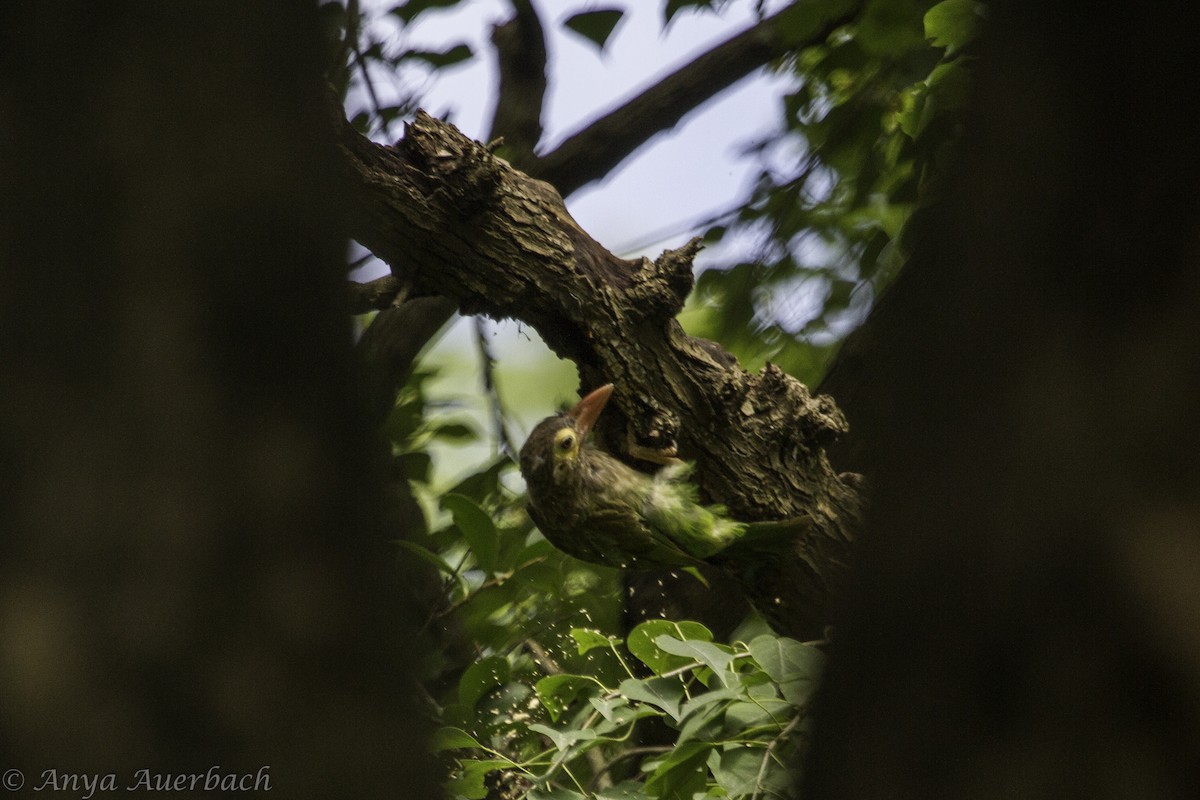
(738, 715)
(595, 26)
(869, 127)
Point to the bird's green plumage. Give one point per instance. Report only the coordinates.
(599, 509)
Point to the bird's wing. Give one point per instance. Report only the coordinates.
(625, 535)
(672, 507)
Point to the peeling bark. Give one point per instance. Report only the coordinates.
(454, 220)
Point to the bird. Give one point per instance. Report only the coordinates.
(595, 507)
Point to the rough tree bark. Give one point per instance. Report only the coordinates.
(456, 221)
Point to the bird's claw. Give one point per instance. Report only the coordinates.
(665, 456)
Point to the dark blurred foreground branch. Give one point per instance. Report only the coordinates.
(193, 575)
(1026, 622)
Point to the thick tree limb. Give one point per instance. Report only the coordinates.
(456, 221)
(591, 153)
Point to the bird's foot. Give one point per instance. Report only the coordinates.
(665, 456)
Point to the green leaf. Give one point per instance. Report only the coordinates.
(563, 739)
(716, 657)
(608, 706)
(554, 793)
(953, 24)
(595, 26)
(681, 774)
(453, 739)
(590, 640)
(794, 666)
(641, 642)
(469, 783)
(557, 692)
(741, 717)
(439, 58)
(740, 771)
(427, 555)
(481, 677)
(458, 432)
(477, 528)
(698, 715)
(673, 7)
(625, 790)
(410, 9)
(664, 693)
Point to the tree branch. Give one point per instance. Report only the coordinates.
(405, 327)
(594, 151)
(521, 57)
(376, 295)
(454, 220)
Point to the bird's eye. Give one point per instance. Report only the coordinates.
(566, 443)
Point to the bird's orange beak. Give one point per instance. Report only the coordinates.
(587, 411)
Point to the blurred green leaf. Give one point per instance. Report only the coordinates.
(469, 782)
(673, 7)
(439, 59)
(953, 24)
(589, 639)
(411, 9)
(481, 677)
(477, 528)
(596, 26)
(460, 432)
(427, 555)
(452, 739)
(557, 692)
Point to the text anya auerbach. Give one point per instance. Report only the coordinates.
(211, 780)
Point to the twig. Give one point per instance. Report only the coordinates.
(488, 365)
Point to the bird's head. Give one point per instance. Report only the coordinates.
(554, 451)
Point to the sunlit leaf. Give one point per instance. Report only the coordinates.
(953, 24)
(641, 642)
(589, 639)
